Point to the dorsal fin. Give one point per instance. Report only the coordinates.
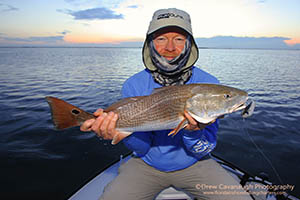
(156, 90)
(122, 102)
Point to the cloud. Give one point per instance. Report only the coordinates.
(296, 46)
(133, 6)
(45, 39)
(93, 13)
(221, 42)
(80, 3)
(7, 8)
(64, 32)
(232, 42)
(243, 42)
(213, 42)
(69, 1)
(261, 1)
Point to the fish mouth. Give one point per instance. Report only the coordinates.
(240, 106)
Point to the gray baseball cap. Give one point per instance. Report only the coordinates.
(170, 17)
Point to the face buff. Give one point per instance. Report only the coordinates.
(169, 71)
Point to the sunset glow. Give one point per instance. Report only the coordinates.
(59, 22)
(293, 41)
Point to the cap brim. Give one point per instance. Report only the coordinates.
(155, 26)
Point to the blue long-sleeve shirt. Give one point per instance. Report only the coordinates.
(156, 148)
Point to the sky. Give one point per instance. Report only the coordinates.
(75, 22)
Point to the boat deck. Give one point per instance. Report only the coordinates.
(94, 188)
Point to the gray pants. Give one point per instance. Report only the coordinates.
(205, 179)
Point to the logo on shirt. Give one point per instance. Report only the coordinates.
(203, 146)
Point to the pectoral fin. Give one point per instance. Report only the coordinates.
(180, 126)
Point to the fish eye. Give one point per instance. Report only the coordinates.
(227, 96)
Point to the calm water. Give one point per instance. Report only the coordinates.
(38, 162)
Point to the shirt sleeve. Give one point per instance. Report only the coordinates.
(138, 142)
(201, 142)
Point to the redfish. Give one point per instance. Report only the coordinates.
(162, 110)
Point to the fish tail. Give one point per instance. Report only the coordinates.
(65, 115)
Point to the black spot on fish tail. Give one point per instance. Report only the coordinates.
(75, 112)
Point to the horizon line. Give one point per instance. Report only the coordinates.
(138, 47)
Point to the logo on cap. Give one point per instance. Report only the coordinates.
(168, 15)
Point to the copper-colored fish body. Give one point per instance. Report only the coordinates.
(162, 110)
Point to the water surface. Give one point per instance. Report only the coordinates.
(38, 162)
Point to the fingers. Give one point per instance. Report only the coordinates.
(96, 127)
(111, 128)
(193, 124)
(193, 127)
(105, 125)
(191, 120)
(87, 125)
(98, 112)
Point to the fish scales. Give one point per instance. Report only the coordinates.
(154, 110)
